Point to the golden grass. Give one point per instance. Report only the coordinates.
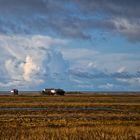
(59, 124)
(76, 133)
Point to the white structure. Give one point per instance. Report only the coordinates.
(53, 91)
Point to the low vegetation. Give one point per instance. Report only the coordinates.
(70, 117)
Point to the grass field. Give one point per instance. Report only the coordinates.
(70, 117)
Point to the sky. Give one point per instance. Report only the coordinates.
(71, 44)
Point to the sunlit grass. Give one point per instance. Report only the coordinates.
(59, 124)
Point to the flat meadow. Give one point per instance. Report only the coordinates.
(70, 117)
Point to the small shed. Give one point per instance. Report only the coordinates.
(14, 91)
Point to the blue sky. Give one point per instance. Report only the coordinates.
(75, 44)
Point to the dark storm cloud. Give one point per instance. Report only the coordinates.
(121, 16)
(72, 18)
(21, 7)
(112, 7)
(34, 16)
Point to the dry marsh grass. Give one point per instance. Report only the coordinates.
(58, 124)
(76, 133)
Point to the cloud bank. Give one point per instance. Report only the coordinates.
(32, 62)
(75, 19)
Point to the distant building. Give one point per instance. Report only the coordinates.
(14, 91)
(53, 91)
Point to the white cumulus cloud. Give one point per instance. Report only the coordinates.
(30, 60)
(29, 68)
